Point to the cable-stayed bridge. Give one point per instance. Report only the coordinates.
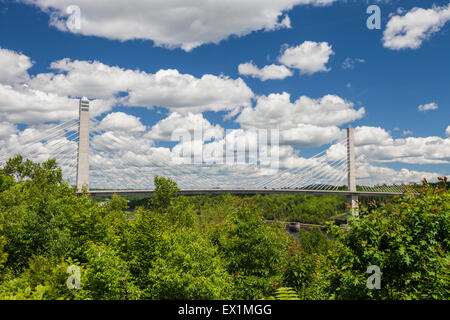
(95, 173)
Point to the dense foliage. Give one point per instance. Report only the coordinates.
(302, 208)
(408, 239)
(175, 247)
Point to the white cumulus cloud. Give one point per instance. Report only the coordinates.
(428, 106)
(277, 111)
(308, 135)
(309, 57)
(53, 96)
(269, 72)
(14, 66)
(175, 23)
(365, 135)
(410, 30)
(122, 122)
(165, 88)
(370, 175)
(167, 128)
(412, 150)
(21, 104)
(7, 129)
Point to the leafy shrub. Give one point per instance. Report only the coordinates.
(255, 252)
(408, 239)
(106, 276)
(188, 268)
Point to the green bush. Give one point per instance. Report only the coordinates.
(254, 251)
(188, 268)
(106, 276)
(408, 239)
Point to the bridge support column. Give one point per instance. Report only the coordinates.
(83, 146)
(351, 199)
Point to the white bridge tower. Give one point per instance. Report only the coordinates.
(353, 198)
(83, 146)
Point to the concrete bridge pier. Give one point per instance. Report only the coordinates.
(352, 200)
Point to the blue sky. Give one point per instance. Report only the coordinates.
(389, 82)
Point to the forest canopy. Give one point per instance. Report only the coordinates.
(176, 247)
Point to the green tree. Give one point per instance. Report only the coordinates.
(141, 242)
(314, 241)
(106, 276)
(407, 239)
(40, 214)
(3, 257)
(188, 268)
(164, 193)
(254, 251)
(44, 278)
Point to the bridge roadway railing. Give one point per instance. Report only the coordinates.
(193, 192)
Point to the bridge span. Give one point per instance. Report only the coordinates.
(194, 192)
(298, 181)
(326, 173)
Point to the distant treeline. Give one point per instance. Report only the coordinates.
(312, 209)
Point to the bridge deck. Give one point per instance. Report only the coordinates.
(192, 192)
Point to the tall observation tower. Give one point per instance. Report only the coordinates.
(83, 146)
